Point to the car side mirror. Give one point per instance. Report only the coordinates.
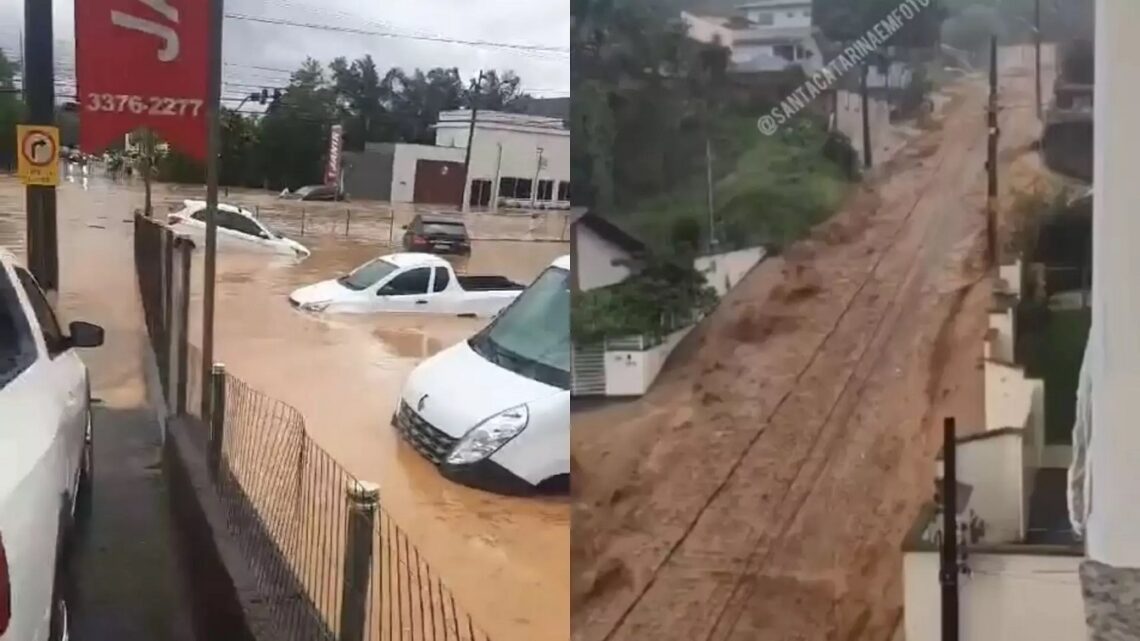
(85, 334)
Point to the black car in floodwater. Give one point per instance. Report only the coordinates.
(437, 234)
(326, 193)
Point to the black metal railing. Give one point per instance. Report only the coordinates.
(329, 561)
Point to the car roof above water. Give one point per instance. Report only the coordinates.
(414, 259)
(233, 209)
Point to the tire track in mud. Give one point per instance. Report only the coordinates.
(638, 629)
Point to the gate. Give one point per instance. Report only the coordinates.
(438, 182)
(588, 371)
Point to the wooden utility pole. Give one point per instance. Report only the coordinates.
(711, 201)
(39, 92)
(476, 93)
(868, 158)
(948, 566)
(213, 166)
(991, 160)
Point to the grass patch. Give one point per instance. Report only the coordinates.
(770, 190)
(1054, 354)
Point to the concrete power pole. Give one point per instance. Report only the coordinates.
(465, 206)
(948, 567)
(991, 160)
(865, 108)
(1037, 53)
(39, 92)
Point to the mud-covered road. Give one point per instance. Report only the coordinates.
(763, 487)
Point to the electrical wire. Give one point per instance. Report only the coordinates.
(560, 51)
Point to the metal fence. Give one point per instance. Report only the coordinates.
(330, 563)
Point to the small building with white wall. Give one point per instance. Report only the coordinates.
(603, 255)
(765, 35)
(517, 161)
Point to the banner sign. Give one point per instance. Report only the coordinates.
(143, 63)
(332, 171)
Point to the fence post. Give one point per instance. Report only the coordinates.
(167, 310)
(302, 222)
(217, 416)
(363, 498)
(182, 340)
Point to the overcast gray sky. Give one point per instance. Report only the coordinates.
(539, 23)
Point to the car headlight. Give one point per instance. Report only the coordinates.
(487, 437)
(318, 306)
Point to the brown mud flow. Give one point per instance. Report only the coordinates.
(506, 559)
(762, 488)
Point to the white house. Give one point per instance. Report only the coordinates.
(602, 253)
(517, 160)
(766, 35)
(1018, 558)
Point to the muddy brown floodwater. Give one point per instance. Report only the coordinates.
(507, 560)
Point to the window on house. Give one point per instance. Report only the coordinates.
(481, 193)
(787, 52)
(517, 188)
(564, 191)
(546, 190)
(763, 18)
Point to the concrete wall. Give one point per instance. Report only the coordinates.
(596, 260)
(724, 271)
(404, 167)
(368, 174)
(1006, 597)
(994, 467)
(632, 372)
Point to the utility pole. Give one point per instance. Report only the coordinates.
(39, 92)
(537, 171)
(1037, 52)
(148, 169)
(709, 186)
(465, 206)
(991, 160)
(213, 150)
(948, 570)
(865, 108)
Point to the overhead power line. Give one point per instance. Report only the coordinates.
(560, 51)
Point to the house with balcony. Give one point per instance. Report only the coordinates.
(763, 36)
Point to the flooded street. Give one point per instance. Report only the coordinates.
(506, 559)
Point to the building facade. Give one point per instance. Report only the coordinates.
(763, 36)
(517, 161)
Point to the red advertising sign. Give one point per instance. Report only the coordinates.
(332, 170)
(143, 63)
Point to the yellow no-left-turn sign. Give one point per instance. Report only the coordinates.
(38, 162)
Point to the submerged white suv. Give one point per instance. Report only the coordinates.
(46, 460)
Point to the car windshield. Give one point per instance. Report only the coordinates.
(367, 274)
(305, 191)
(446, 229)
(17, 347)
(532, 336)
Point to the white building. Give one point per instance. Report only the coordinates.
(1018, 557)
(766, 35)
(517, 161)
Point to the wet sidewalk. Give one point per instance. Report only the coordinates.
(127, 571)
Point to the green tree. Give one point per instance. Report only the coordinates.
(361, 102)
(972, 29)
(848, 20)
(294, 131)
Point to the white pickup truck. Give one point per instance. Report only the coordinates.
(409, 283)
(46, 465)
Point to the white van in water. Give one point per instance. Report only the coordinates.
(493, 412)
